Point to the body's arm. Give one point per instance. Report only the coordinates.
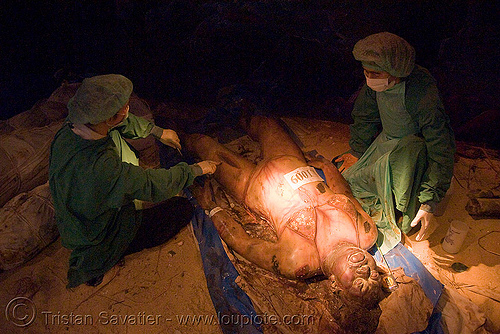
(334, 179)
(292, 256)
(263, 253)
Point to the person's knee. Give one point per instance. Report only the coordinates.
(410, 150)
(413, 142)
(183, 209)
(411, 145)
(162, 222)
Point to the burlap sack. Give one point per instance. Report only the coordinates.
(64, 92)
(43, 113)
(24, 159)
(27, 225)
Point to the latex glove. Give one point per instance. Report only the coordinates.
(348, 160)
(208, 166)
(424, 218)
(170, 138)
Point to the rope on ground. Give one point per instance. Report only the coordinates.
(484, 236)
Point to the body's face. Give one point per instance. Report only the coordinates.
(356, 271)
(360, 272)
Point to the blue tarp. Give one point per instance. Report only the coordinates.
(400, 256)
(234, 308)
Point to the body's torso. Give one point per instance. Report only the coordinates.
(313, 211)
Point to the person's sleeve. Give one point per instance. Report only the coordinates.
(440, 142)
(366, 123)
(135, 127)
(131, 182)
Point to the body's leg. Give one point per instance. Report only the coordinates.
(233, 172)
(272, 137)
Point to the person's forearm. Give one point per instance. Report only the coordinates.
(136, 127)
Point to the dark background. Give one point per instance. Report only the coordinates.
(295, 56)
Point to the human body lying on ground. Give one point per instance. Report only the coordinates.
(320, 228)
(94, 179)
(401, 136)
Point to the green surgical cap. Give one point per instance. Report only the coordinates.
(386, 52)
(99, 98)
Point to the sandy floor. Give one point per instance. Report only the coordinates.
(480, 252)
(164, 290)
(160, 290)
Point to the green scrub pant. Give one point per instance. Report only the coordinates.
(161, 223)
(388, 177)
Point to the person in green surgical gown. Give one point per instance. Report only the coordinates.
(402, 145)
(98, 187)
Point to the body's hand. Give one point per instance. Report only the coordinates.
(348, 160)
(170, 138)
(316, 161)
(334, 179)
(205, 195)
(208, 166)
(424, 218)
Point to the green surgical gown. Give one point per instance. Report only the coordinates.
(93, 185)
(406, 148)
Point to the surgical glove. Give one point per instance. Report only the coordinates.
(208, 166)
(348, 160)
(424, 218)
(170, 138)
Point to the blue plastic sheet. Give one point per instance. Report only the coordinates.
(400, 256)
(235, 311)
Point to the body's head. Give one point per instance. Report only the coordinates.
(386, 58)
(344, 231)
(354, 270)
(101, 100)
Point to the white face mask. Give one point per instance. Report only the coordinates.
(379, 85)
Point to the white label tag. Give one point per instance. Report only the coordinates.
(302, 175)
